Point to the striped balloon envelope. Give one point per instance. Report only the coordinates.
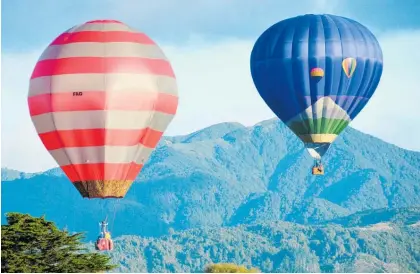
(101, 96)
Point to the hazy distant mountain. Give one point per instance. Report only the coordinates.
(228, 175)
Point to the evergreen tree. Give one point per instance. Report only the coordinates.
(32, 244)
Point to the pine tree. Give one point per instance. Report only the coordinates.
(32, 244)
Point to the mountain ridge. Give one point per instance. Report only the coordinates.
(223, 129)
(228, 175)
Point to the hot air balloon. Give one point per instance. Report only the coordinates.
(317, 73)
(345, 57)
(101, 96)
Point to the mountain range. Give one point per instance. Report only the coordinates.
(229, 177)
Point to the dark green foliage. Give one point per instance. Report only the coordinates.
(382, 246)
(229, 268)
(36, 245)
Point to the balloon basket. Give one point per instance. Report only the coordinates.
(317, 170)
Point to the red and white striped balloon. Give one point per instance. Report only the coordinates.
(100, 97)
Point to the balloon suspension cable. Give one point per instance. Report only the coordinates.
(104, 216)
(103, 225)
(318, 162)
(115, 213)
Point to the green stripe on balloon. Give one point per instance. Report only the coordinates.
(318, 126)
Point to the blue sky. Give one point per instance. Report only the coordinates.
(30, 24)
(208, 43)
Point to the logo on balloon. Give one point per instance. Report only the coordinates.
(349, 66)
(317, 74)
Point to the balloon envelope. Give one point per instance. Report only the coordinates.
(343, 56)
(101, 95)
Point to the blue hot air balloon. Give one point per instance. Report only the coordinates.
(316, 73)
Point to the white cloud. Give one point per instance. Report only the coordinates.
(215, 86)
(21, 147)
